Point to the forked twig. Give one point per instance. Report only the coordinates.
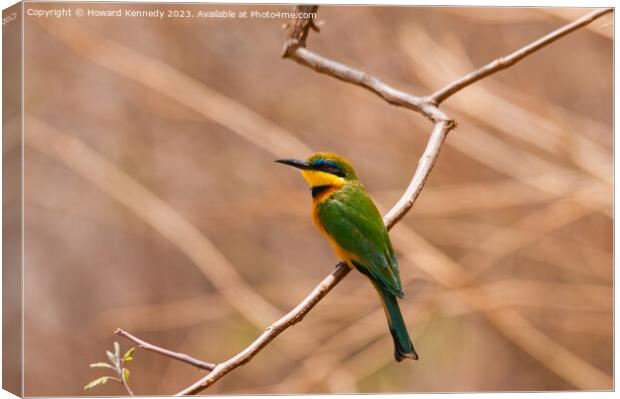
(504, 62)
(182, 357)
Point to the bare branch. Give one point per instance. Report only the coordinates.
(271, 332)
(182, 357)
(425, 165)
(347, 74)
(504, 62)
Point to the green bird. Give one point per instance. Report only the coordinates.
(344, 212)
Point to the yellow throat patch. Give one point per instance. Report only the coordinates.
(316, 178)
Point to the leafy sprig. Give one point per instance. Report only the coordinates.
(116, 363)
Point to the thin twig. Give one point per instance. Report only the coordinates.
(504, 62)
(425, 165)
(548, 131)
(271, 332)
(182, 357)
(347, 74)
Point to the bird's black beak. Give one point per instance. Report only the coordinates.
(295, 163)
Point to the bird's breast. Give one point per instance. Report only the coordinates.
(329, 195)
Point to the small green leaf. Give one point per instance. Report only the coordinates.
(102, 364)
(117, 350)
(112, 358)
(126, 375)
(95, 382)
(127, 356)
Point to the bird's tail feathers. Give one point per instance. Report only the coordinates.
(403, 347)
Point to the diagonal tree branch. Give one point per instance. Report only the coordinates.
(504, 62)
(425, 165)
(271, 332)
(427, 106)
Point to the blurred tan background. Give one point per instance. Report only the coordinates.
(153, 204)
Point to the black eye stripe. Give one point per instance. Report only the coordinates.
(329, 167)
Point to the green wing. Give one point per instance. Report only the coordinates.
(351, 218)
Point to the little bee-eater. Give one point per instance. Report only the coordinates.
(345, 214)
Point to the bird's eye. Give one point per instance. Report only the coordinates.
(332, 169)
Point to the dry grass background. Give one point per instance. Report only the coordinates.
(152, 202)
